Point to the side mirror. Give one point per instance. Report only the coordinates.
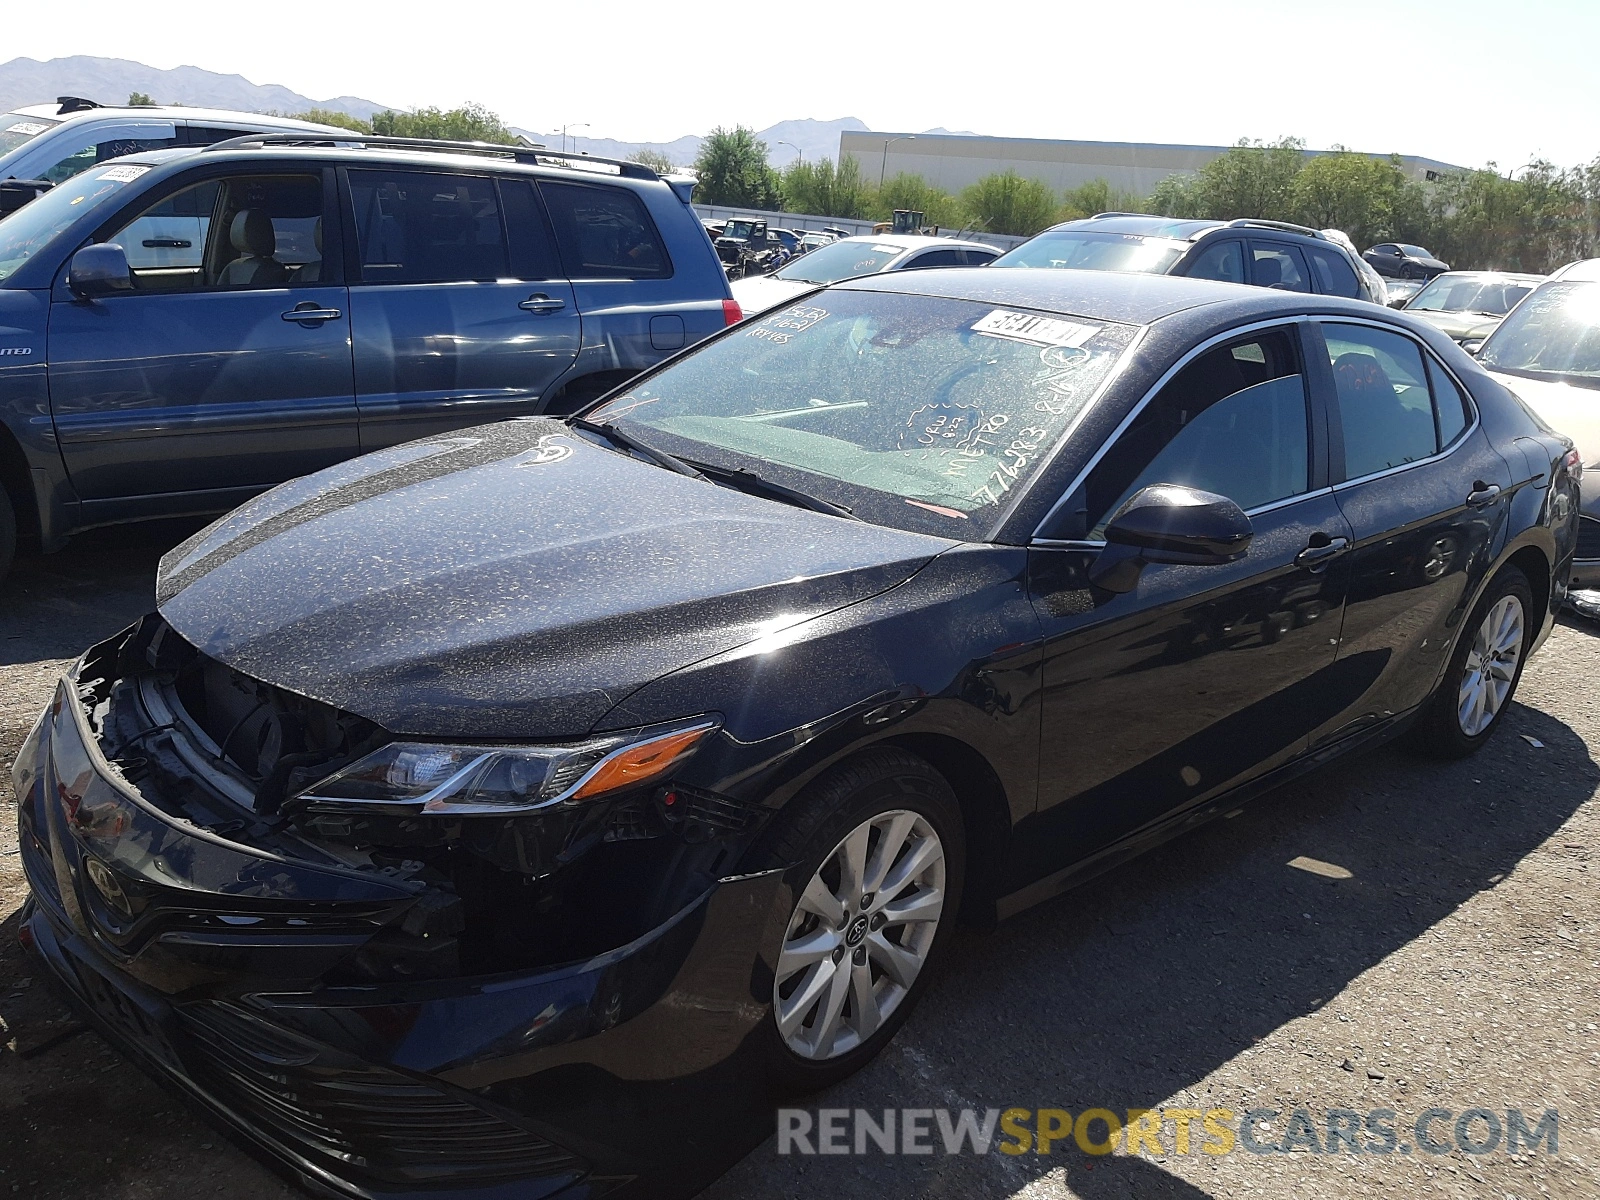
(14, 193)
(1473, 347)
(1169, 523)
(100, 270)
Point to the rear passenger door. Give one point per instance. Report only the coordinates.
(458, 307)
(1426, 496)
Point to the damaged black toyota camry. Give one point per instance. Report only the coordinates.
(505, 813)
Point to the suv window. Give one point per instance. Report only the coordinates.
(1234, 422)
(423, 227)
(1386, 410)
(533, 250)
(1278, 265)
(1333, 273)
(604, 232)
(1222, 260)
(249, 231)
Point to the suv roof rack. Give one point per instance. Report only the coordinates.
(531, 155)
(1097, 216)
(1286, 226)
(72, 104)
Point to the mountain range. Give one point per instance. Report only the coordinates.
(112, 80)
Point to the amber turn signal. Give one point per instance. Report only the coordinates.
(641, 761)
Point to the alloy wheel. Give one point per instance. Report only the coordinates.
(1491, 666)
(860, 935)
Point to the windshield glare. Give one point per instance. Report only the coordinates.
(34, 226)
(842, 260)
(1074, 249)
(914, 412)
(15, 129)
(1456, 293)
(1553, 334)
(1416, 251)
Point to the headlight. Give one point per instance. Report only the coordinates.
(429, 778)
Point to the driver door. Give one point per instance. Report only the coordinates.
(1202, 677)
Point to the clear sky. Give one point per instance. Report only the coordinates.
(1466, 81)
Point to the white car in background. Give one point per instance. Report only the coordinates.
(848, 258)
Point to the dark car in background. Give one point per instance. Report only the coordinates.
(182, 329)
(1400, 260)
(1263, 253)
(624, 763)
(1468, 305)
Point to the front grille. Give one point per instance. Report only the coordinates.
(387, 1125)
(1588, 537)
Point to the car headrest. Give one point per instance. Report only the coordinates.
(316, 234)
(1269, 272)
(251, 233)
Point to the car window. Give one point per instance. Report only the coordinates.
(208, 135)
(1451, 413)
(82, 157)
(1333, 273)
(533, 249)
(1276, 265)
(604, 232)
(980, 258)
(1234, 422)
(1385, 410)
(422, 227)
(1223, 260)
(935, 258)
(249, 231)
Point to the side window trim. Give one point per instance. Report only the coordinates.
(1331, 400)
(1319, 421)
(542, 215)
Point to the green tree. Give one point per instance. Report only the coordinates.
(654, 159)
(469, 123)
(913, 192)
(826, 190)
(1005, 202)
(1353, 192)
(1098, 196)
(1178, 195)
(732, 168)
(137, 98)
(1253, 179)
(341, 120)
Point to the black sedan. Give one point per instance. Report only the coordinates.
(506, 812)
(1399, 260)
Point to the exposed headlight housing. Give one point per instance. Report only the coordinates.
(431, 778)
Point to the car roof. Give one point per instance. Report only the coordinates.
(1584, 271)
(1517, 276)
(911, 241)
(1128, 297)
(1148, 226)
(170, 112)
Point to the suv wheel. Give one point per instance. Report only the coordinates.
(878, 853)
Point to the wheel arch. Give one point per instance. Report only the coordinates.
(16, 477)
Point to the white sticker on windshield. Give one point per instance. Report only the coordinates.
(782, 326)
(1030, 327)
(887, 249)
(126, 173)
(28, 127)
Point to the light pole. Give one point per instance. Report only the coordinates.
(564, 128)
(800, 154)
(904, 137)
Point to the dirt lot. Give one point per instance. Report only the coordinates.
(1456, 967)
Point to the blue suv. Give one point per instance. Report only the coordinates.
(182, 329)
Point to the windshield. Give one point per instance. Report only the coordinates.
(842, 260)
(915, 412)
(1080, 250)
(738, 229)
(1457, 293)
(1555, 335)
(1416, 251)
(33, 227)
(15, 129)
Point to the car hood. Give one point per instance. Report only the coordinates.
(512, 581)
(757, 293)
(1574, 411)
(1458, 326)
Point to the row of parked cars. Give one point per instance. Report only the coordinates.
(651, 745)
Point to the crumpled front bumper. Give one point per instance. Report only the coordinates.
(630, 1073)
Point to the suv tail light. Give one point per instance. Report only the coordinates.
(1574, 462)
(732, 314)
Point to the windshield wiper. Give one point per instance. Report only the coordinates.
(747, 480)
(628, 442)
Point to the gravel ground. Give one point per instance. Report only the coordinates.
(1457, 966)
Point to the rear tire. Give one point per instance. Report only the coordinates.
(878, 849)
(1481, 679)
(8, 533)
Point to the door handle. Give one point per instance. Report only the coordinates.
(307, 312)
(1316, 557)
(540, 303)
(1482, 493)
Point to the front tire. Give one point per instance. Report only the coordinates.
(1482, 677)
(878, 852)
